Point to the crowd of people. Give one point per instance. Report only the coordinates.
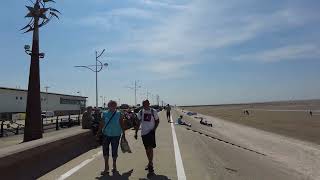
(110, 127)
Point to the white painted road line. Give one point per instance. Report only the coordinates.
(179, 165)
(75, 169)
(282, 110)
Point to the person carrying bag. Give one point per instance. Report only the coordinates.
(112, 127)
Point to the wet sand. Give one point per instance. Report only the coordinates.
(290, 118)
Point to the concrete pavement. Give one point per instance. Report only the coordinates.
(202, 158)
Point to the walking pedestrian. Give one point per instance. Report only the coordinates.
(149, 122)
(168, 109)
(111, 126)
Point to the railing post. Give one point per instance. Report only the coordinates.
(1, 132)
(17, 130)
(42, 123)
(57, 123)
(69, 125)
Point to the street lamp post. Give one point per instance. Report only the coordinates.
(104, 101)
(47, 98)
(148, 94)
(135, 93)
(158, 99)
(38, 14)
(98, 67)
(135, 88)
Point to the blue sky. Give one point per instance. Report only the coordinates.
(187, 51)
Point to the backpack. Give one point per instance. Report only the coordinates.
(131, 120)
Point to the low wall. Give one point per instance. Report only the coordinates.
(33, 159)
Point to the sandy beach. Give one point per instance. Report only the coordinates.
(288, 118)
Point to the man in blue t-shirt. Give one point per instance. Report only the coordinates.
(111, 126)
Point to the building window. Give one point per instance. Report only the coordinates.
(69, 101)
(17, 98)
(20, 98)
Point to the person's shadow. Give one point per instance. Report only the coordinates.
(116, 176)
(152, 176)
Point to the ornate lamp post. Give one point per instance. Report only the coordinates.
(96, 68)
(40, 15)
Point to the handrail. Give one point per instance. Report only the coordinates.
(60, 122)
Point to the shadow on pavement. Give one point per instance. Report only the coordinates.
(116, 176)
(155, 177)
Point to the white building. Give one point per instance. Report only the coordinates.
(15, 100)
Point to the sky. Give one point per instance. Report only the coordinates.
(186, 51)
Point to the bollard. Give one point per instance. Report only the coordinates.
(79, 120)
(57, 124)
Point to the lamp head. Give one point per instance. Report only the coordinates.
(27, 47)
(41, 55)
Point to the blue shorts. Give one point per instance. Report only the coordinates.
(114, 141)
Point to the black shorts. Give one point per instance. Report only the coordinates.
(149, 140)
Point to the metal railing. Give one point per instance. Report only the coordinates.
(9, 127)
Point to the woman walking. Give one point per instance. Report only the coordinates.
(111, 126)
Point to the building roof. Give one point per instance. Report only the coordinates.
(24, 90)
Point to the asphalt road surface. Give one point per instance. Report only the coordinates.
(180, 154)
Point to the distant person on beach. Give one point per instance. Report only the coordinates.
(87, 118)
(168, 109)
(246, 112)
(205, 123)
(181, 122)
(310, 112)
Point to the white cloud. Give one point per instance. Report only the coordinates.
(290, 52)
(131, 13)
(169, 69)
(167, 66)
(162, 4)
(117, 18)
(196, 27)
(203, 27)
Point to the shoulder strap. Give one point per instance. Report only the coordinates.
(105, 126)
(152, 112)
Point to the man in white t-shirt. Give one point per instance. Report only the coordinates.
(149, 120)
